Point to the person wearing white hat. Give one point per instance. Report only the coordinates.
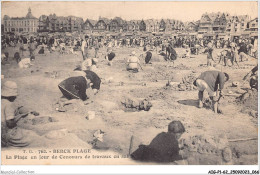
(10, 135)
(133, 62)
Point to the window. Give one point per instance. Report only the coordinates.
(253, 25)
(242, 24)
(256, 20)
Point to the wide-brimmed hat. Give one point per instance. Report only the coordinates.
(9, 89)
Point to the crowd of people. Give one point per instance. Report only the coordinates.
(213, 82)
(235, 50)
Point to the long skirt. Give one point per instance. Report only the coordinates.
(69, 94)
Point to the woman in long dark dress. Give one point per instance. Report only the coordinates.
(75, 87)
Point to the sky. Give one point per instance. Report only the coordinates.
(184, 11)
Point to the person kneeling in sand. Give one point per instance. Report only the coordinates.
(213, 82)
(75, 87)
(133, 63)
(11, 134)
(164, 147)
(25, 63)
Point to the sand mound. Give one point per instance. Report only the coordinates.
(250, 102)
(157, 58)
(205, 149)
(185, 82)
(182, 67)
(134, 104)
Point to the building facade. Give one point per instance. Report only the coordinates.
(244, 19)
(142, 26)
(24, 24)
(220, 23)
(253, 25)
(101, 26)
(162, 26)
(178, 25)
(205, 25)
(88, 25)
(53, 23)
(43, 24)
(116, 24)
(237, 24)
(169, 25)
(216, 23)
(191, 27)
(211, 23)
(149, 25)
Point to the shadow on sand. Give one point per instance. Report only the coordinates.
(189, 102)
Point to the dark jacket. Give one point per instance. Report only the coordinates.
(94, 78)
(213, 78)
(210, 51)
(242, 48)
(163, 148)
(148, 57)
(111, 56)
